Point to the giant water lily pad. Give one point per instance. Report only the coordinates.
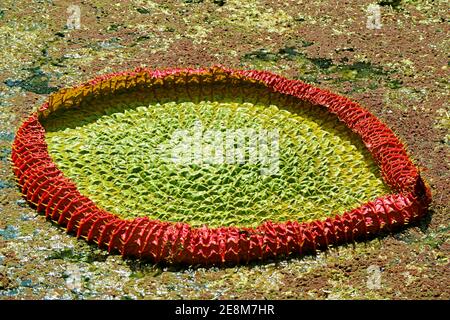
(214, 166)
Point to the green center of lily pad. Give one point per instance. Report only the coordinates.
(214, 163)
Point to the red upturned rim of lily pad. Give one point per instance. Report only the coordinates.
(45, 186)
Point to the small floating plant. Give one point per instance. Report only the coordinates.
(214, 166)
